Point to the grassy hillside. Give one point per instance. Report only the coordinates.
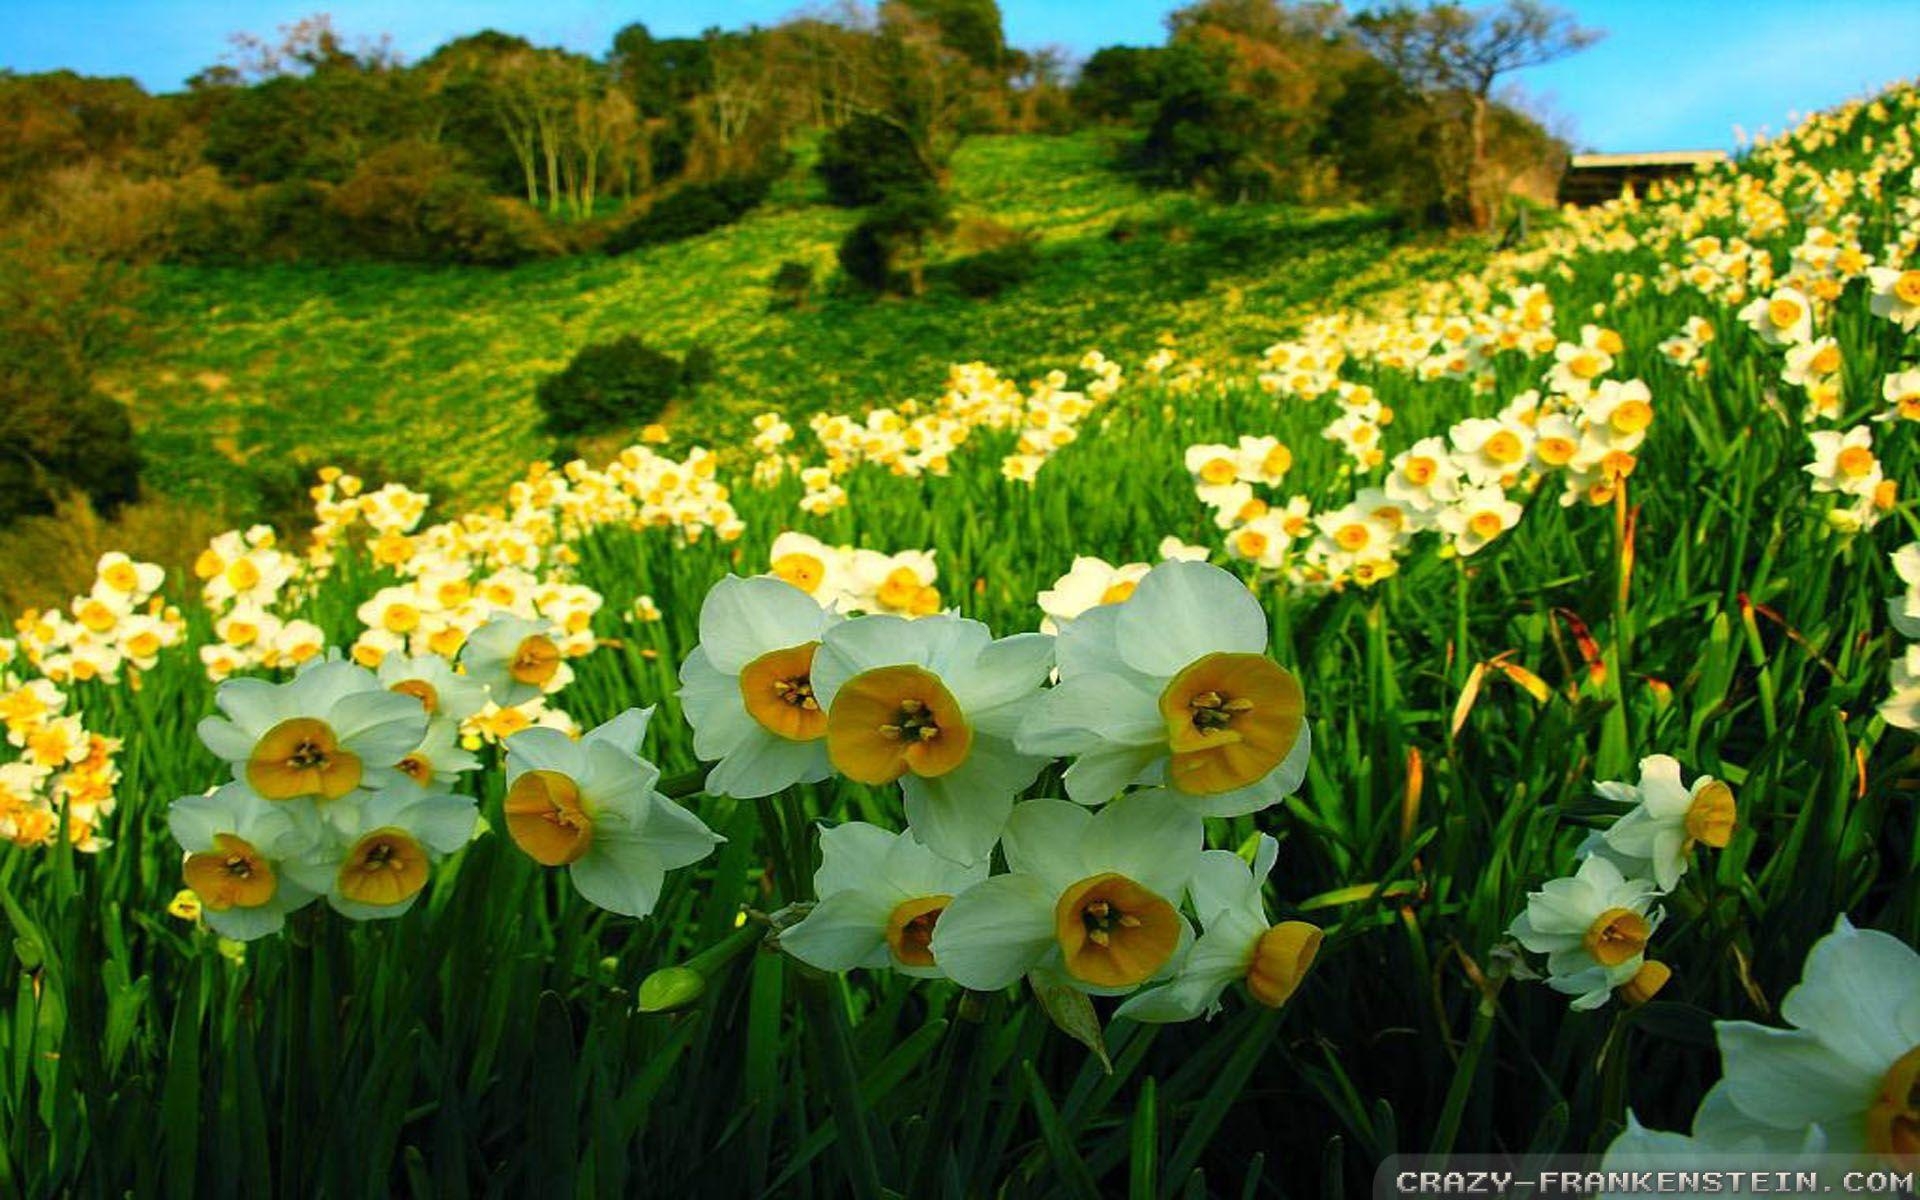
(378, 365)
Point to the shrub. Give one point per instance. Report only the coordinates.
(869, 159)
(52, 444)
(792, 283)
(621, 382)
(884, 253)
(409, 202)
(690, 211)
(991, 272)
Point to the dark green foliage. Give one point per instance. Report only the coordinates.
(53, 442)
(61, 320)
(970, 27)
(992, 271)
(1119, 83)
(868, 159)
(409, 202)
(882, 253)
(791, 284)
(1203, 132)
(691, 210)
(617, 383)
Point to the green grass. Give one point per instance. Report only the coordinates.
(429, 374)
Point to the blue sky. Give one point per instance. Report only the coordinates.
(1672, 74)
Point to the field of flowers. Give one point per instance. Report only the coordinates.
(1484, 723)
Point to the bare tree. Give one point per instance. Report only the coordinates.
(1455, 54)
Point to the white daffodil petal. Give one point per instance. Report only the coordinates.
(993, 933)
(845, 930)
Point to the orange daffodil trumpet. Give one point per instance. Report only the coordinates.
(882, 895)
(747, 688)
(934, 704)
(591, 806)
(1173, 687)
(1090, 898)
(1238, 944)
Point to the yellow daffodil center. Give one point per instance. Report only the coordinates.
(421, 690)
(1420, 470)
(1907, 287)
(1277, 461)
(121, 577)
(1557, 451)
(892, 720)
(1826, 360)
(97, 616)
(1783, 312)
(1893, 1120)
(1113, 932)
(417, 767)
(1231, 718)
(777, 688)
(242, 574)
(231, 875)
(1119, 592)
(535, 661)
(302, 757)
(910, 929)
(1486, 524)
(1855, 462)
(1281, 959)
(1909, 406)
(803, 571)
(1631, 416)
(1352, 537)
(1218, 471)
(548, 819)
(1646, 983)
(385, 867)
(1710, 818)
(1584, 365)
(1504, 447)
(1616, 935)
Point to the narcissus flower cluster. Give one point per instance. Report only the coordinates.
(1164, 700)
(1596, 926)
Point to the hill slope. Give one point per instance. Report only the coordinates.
(427, 375)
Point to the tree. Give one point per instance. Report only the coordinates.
(1455, 55)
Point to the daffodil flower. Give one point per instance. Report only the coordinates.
(376, 864)
(591, 806)
(1670, 819)
(881, 895)
(933, 704)
(328, 731)
(1237, 945)
(444, 693)
(747, 688)
(1593, 927)
(516, 659)
(1090, 896)
(237, 848)
(1851, 1063)
(1173, 686)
